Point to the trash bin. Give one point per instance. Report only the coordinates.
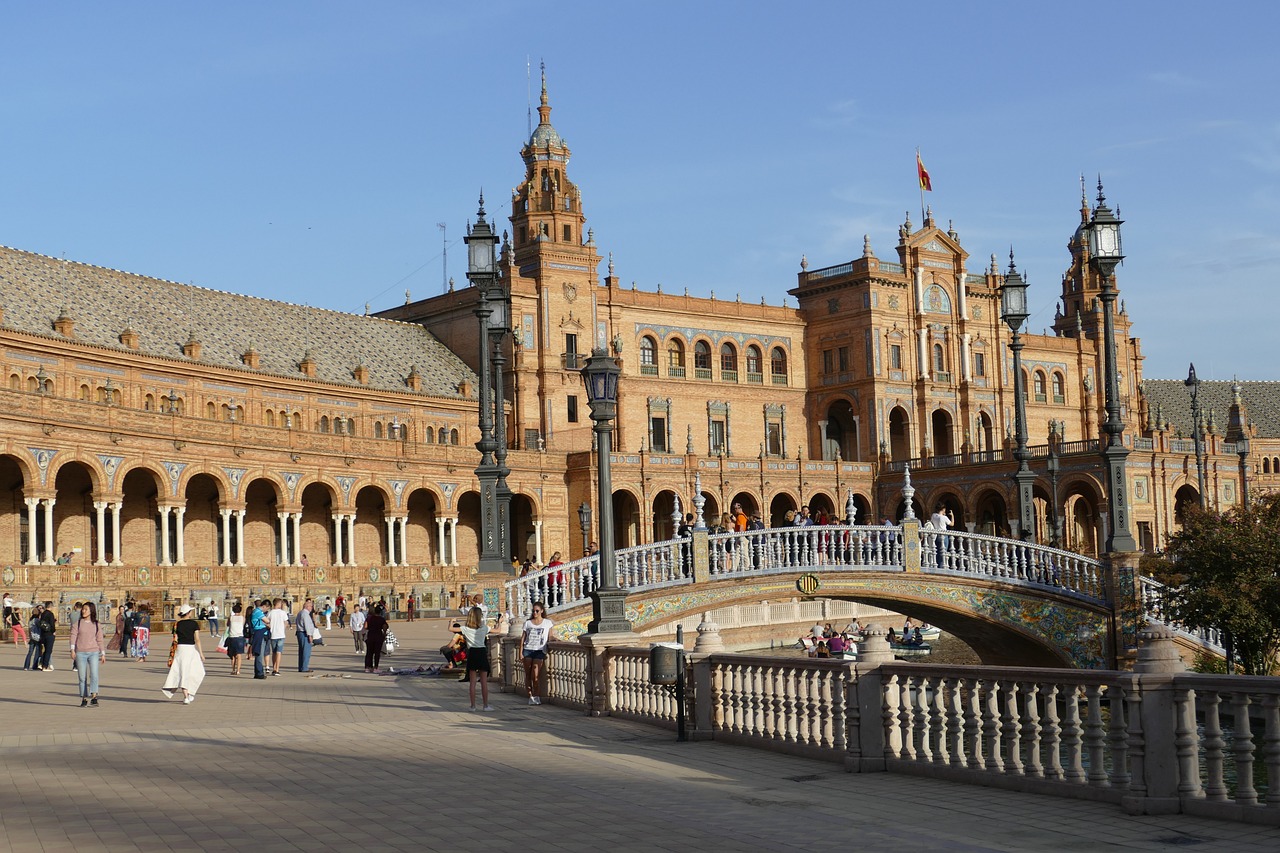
(664, 662)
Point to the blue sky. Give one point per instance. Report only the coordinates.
(307, 151)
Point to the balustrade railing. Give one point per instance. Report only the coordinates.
(782, 704)
(976, 554)
(566, 674)
(1153, 597)
(630, 693)
(782, 548)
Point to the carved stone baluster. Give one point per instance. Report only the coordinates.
(1072, 734)
(1031, 725)
(906, 717)
(1012, 726)
(1242, 746)
(843, 715)
(1185, 742)
(814, 708)
(826, 679)
(889, 688)
(955, 722)
(804, 719)
(759, 700)
(1094, 737)
(938, 722)
(778, 705)
(1271, 747)
(1052, 733)
(1118, 737)
(973, 724)
(787, 681)
(991, 726)
(924, 731)
(720, 694)
(1215, 787)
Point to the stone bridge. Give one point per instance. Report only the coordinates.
(1013, 602)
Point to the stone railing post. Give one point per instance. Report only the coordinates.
(1126, 606)
(597, 687)
(1153, 747)
(865, 703)
(911, 545)
(700, 544)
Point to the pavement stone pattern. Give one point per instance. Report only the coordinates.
(373, 762)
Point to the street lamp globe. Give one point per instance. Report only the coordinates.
(1013, 298)
(601, 378)
(482, 246)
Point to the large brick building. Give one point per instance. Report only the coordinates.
(181, 443)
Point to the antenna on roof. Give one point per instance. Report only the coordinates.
(528, 96)
(444, 257)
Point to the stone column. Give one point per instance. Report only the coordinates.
(537, 541)
(116, 545)
(453, 541)
(297, 538)
(49, 558)
(100, 517)
(440, 520)
(181, 512)
(337, 540)
(164, 536)
(240, 537)
(404, 540)
(226, 536)
(283, 518)
(33, 547)
(391, 540)
(351, 540)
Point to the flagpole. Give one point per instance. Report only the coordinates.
(920, 184)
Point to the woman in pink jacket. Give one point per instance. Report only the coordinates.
(88, 650)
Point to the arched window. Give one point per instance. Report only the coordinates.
(939, 360)
(755, 364)
(15, 382)
(778, 365)
(430, 436)
(442, 436)
(297, 421)
(1026, 386)
(323, 424)
(675, 357)
(728, 362)
(648, 356)
(1059, 389)
(149, 403)
(33, 384)
(377, 429)
(1040, 387)
(269, 418)
(453, 436)
(84, 393)
(211, 411)
(701, 360)
(1266, 465)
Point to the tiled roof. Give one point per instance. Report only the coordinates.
(1261, 401)
(35, 289)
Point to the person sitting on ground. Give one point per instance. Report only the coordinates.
(455, 651)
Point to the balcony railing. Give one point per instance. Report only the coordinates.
(573, 360)
(676, 371)
(702, 373)
(729, 375)
(779, 379)
(648, 370)
(755, 378)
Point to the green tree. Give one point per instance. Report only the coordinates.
(1223, 571)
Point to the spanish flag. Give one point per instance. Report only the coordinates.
(925, 183)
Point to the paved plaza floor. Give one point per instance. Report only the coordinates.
(361, 762)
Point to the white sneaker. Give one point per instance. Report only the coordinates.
(488, 707)
(168, 694)
(537, 700)
(533, 701)
(188, 700)
(474, 709)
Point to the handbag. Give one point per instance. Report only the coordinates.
(173, 649)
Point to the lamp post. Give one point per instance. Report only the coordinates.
(482, 273)
(1052, 464)
(499, 326)
(608, 601)
(584, 521)
(1105, 251)
(1013, 310)
(1193, 384)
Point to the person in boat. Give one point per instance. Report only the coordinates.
(854, 628)
(822, 651)
(837, 645)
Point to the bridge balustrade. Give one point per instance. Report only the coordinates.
(784, 548)
(976, 554)
(1153, 594)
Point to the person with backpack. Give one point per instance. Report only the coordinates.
(33, 639)
(48, 633)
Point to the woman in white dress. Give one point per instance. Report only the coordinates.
(187, 670)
